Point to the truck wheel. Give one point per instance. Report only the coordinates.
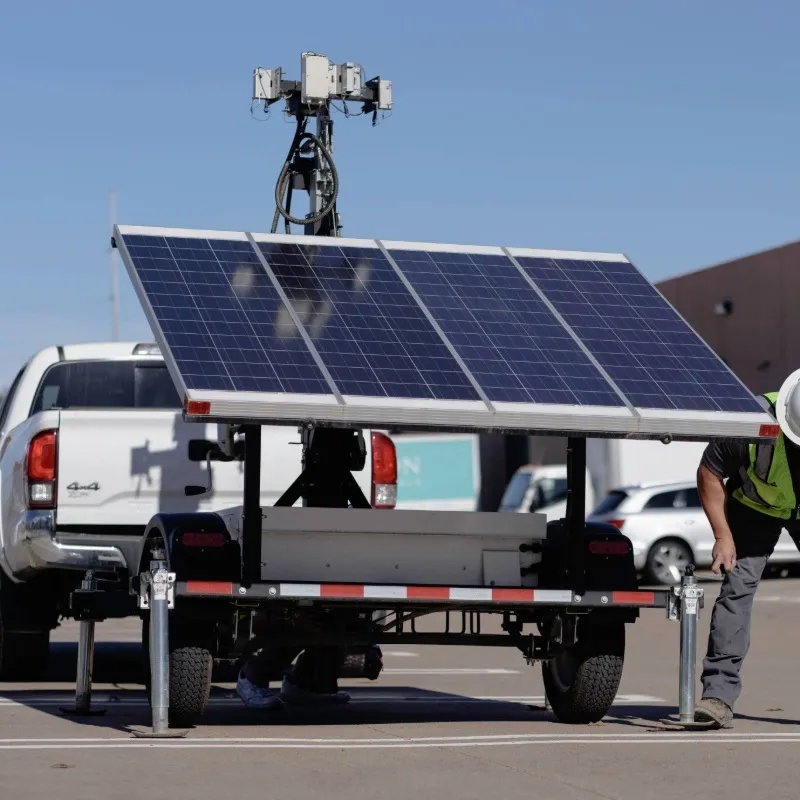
(582, 681)
(23, 656)
(190, 667)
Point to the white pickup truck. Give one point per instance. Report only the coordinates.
(92, 445)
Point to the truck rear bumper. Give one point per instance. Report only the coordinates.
(41, 546)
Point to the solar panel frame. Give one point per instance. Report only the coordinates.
(419, 414)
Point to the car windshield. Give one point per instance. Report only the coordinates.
(515, 491)
(611, 502)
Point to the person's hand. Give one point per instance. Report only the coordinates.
(724, 555)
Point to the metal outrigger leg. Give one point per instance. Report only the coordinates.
(685, 603)
(83, 684)
(157, 594)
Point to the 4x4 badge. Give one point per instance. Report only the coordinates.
(83, 487)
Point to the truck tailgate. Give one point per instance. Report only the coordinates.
(120, 467)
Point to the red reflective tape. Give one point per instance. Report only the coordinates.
(198, 407)
(512, 595)
(209, 587)
(340, 590)
(428, 593)
(634, 598)
(770, 431)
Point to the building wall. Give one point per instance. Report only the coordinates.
(760, 337)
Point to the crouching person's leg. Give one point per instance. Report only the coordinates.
(314, 678)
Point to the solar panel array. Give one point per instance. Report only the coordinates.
(282, 328)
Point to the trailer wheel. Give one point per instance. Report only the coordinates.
(582, 681)
(190, 668)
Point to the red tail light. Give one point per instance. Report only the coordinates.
(41, 467)
(620, 548)
(617, 523)
(203, 539)
(384, 472)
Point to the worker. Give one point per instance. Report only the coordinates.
(309, 675)
(747, 515)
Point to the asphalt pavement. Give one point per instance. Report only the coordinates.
(439, 723)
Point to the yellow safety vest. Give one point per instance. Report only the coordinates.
(768, 486)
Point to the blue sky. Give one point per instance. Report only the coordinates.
(665, 130)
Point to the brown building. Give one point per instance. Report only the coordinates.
(747, 310)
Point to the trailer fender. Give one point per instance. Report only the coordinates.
(608, 558)
(198, 546)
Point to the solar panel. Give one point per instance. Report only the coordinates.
(369, 331)
(281, 329)
(646, 348)
(220, 317)
(507, 337)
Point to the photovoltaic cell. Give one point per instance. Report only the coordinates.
(635, 335)
(508, 338)
(370, 333)
(221, 316)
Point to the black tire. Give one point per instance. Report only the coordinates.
(23, 656)
(191, 663)
(663, 554)
(582, 681)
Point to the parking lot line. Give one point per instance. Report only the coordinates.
(387, 697)
(503, 740)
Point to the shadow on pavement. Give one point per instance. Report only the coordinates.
(114, 662)
(370, 705)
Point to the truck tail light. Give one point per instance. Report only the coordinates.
(617, 523)
(384, 472)
(41, 469)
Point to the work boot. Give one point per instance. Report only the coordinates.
(256, 697)
(717, 713)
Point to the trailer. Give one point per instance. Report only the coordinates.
(334, 335)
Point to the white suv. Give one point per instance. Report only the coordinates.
(668, 529)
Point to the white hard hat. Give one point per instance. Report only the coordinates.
(787, 407)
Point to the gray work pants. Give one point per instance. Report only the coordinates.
(755, 536)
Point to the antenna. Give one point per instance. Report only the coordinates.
(309, 165)
(112, 218)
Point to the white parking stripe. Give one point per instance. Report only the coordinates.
(133, 701)
(529, 740)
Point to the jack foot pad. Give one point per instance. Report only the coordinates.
(151, 734)
(691, 725)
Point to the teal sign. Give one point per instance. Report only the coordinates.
(435, 469)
